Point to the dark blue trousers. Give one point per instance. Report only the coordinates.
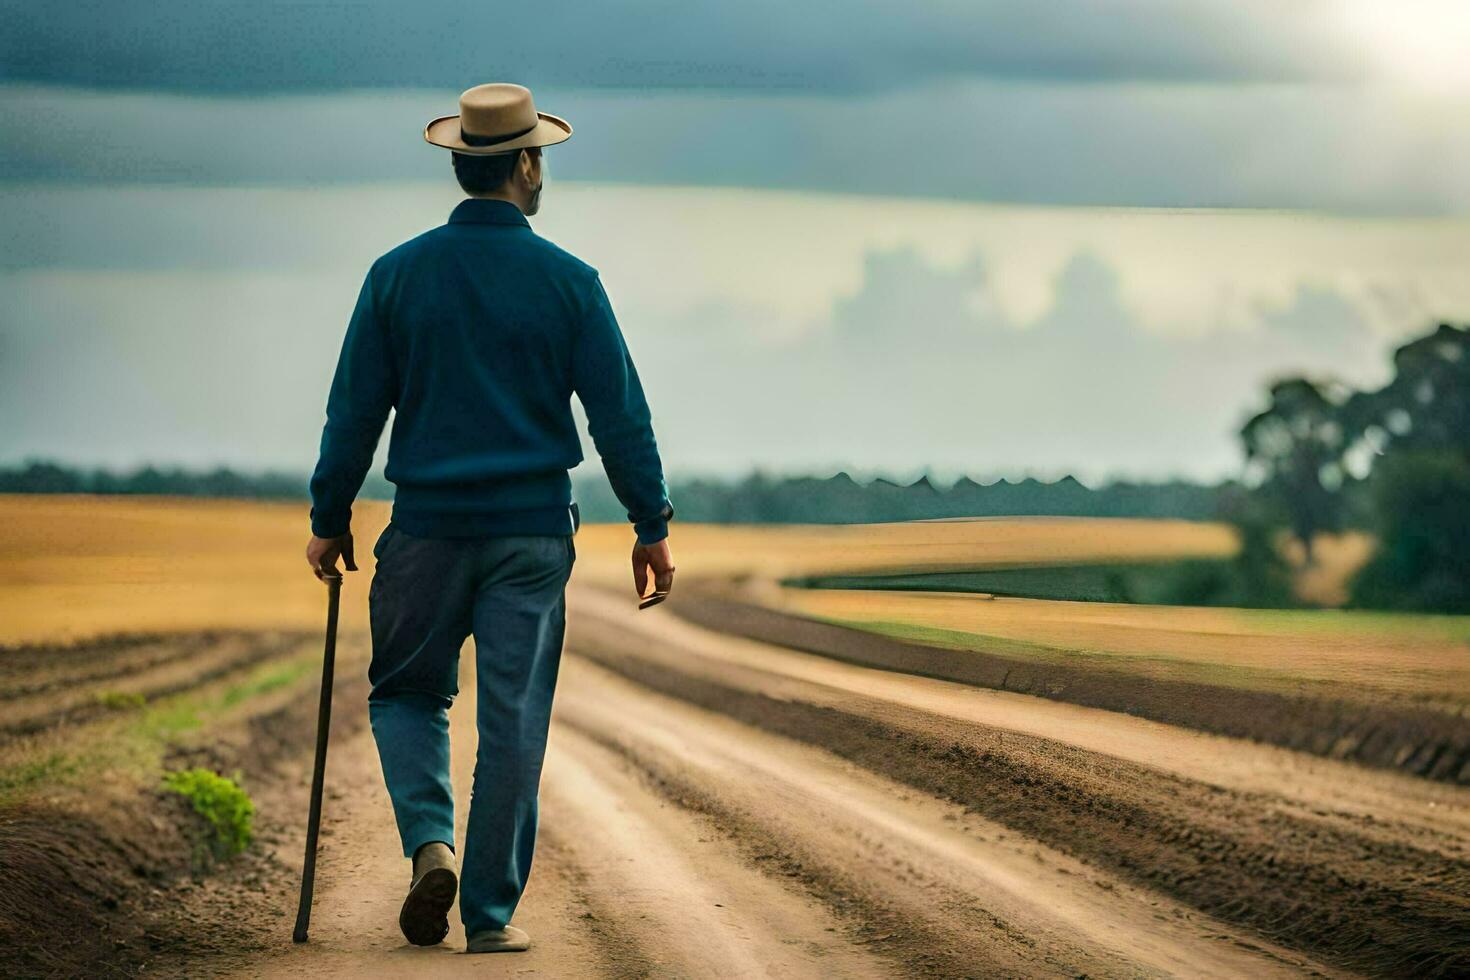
(428, 596)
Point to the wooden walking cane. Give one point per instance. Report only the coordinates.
(323, 725)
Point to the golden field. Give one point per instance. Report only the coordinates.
(77, 567)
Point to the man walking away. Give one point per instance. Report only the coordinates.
(478, 333)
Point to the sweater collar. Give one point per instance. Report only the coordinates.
(488, 211)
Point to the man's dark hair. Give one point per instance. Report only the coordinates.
(482, 174)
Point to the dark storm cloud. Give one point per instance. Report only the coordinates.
(1252, 146)
(824, 46)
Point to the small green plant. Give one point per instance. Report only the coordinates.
(120, 700)
(220, 801)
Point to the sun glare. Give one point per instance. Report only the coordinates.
(1420, 43)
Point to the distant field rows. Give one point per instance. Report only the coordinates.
(1395, 655)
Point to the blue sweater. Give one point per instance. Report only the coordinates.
(478, 333)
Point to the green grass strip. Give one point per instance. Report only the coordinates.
(137, 738)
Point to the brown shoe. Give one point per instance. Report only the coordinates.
(507, 940)
(424, 918)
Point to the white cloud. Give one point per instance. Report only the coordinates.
(790, 330)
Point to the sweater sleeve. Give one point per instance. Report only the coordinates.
(618, 418)
(363, 390)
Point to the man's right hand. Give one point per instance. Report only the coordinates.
(322, 555)
(657, 557)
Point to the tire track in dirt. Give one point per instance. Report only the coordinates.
(624, 884)
(677, 842)
(1364, 868)
(933, 889)
(671, 899)
(362, 877)
(1434, 816)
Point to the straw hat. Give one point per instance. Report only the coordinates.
(496, 118)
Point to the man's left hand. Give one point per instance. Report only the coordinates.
(322, 553)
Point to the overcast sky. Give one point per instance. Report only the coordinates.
(822, 47)
(884, 236)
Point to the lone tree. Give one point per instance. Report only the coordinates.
(1415, 434)
(1294, 451)
(1426, 407)
(1422, 516)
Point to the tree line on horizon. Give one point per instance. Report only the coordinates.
(758, 498)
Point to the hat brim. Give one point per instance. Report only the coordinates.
(549, 130)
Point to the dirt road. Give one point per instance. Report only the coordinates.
(718, 807)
